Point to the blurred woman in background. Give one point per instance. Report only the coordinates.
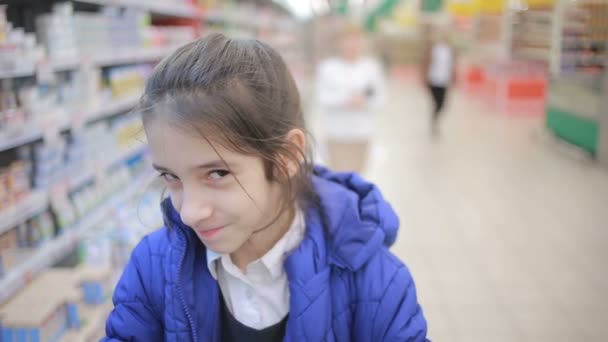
(438, 73)
(350, 87)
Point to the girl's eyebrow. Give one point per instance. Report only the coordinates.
(216, 164)
(160, 168)
(210, 165)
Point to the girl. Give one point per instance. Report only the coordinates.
(350, 87)
(259, 245)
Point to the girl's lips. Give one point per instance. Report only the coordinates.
(210, 233)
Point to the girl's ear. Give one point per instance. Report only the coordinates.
(296, 145)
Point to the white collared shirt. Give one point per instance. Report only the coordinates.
(259, 298)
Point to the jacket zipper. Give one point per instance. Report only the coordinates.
(181, 295)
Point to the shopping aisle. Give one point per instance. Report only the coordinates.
(504, 232)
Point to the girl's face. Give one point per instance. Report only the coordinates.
(206, 192)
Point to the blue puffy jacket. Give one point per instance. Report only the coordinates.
(344, 283)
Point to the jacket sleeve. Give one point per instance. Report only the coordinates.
(399, 316)
(135, 317)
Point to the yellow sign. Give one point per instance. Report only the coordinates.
(540, 3)
(472, 7)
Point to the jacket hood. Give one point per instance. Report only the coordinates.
(357, 219)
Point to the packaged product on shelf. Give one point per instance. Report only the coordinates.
(22, 235)
(48, 161)
(57, 32)
(62, 209)
(3, 24)
(92, 32)
(92, 196)
(124, 27)
(126, 80)
(95, 248)
(74, 301)
(40, 229)
(80, 200)
(5, 194)
(18, 178)
(14, 184)
(128, 132)
(12, 117)
(24, 154)
(69, 92)
(17, 48)
(96, 282)
(8, 246)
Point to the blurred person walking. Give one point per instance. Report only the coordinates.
(438, 73)
(350, 87)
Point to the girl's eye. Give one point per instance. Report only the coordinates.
(218, 174)
(167, 177)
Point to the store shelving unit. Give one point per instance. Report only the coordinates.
(532, 35)
(28, 207)
(38, 201)
(575, 104)
(108, 107)
(100, 112)
(56, 249)
(180, 10)
(120, 57)
(132, 56)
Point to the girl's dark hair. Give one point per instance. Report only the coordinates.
(240, 94)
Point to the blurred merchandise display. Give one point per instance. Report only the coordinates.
(72, 164)
(584, 37)
(575, 110)
(67, 39)
(532, 34)
(76, 301)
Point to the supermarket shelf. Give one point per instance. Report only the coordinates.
(10, 141)
(538, 15)
(538, 54)
(117, 106)
(125, 56)
(34, 204)
(133, 56)
(38, 201)
(98, 113)
(245, 20)
(19, 72)
(127, 155)
(236, 19)
(56, 249)
(158, 8)
(81, 177)
(64, 65)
